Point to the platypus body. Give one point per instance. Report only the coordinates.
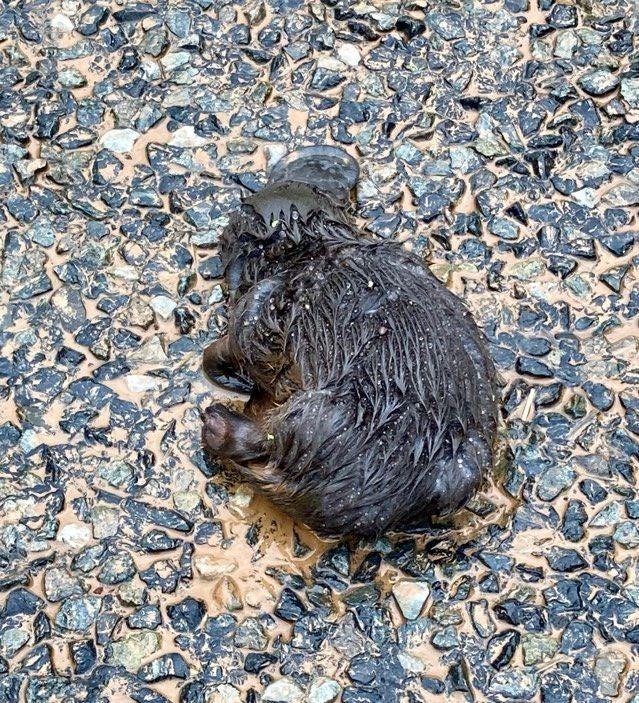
(373, 399)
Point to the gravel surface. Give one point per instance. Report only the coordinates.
(500, 140)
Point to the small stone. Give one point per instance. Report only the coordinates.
(150, 352)
(75, 535)
(610, 515)
(622, 195)
(627, 535)
(274, 153)
(211, 268)
(120, 141)
(446, 638)
(168, 666)
(138, 313)
(538, 648)
(240, 501)
(91, 19)
(447, 25)
(132, 649)
(132, 593)
(503, 228)
(349, 54)
(533, 367)
(598, 82)
(565, 560)
(250, 634)
(187, 615)
(163, 306)
(89, 558)
(324, 79)
(141, 383)
(211, 568)
(68, 304)
(609, 669)
(289, 607)
(228, 595)
(117, 568)
(527, 270)
(175, 60)
(515, 684)
(60, 584)
(554, 480)
(563, 16)
(412, 664)
(61, 23)
(323, 690)
(21, 602)
(148, 617)
(78, 613)
(116, 473)
(411, 596)
(481, 618)
(284, 690)
(502, 647)
(42, 232)
(223, 693)
(105, 521)
(630, 91)
(186, 501)
(185, 138)
(71, 78)
(12, 640)
(84, 656)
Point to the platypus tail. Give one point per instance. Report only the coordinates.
(327, 168)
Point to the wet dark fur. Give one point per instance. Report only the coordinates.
(373, 402)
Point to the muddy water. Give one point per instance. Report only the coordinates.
(229, 563)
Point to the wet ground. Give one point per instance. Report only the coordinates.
(501, 140)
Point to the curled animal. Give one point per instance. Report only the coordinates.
(372, 396)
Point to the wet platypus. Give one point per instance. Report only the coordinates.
(373, 398)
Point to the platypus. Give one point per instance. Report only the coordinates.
(372, 395)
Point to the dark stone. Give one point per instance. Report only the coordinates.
(362, 669)
(368, 569)
(255, 662)
(289, 607)
(502, 647)
(565, 560)
(148, 617)
(533, 367)
(574, 519)
(187, 615)
(20, 601)
(168, 666)
(84, 656)
(531, 617)
(211, 268)
(134, 12)
(593, 491)
(410, 27)
(163, 517)
(91, 20)
(159, 541)
(563, 16)
(324, 79)
(576, 637)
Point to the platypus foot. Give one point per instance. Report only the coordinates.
(231, 435)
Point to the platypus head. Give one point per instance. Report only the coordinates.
(306, 181)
